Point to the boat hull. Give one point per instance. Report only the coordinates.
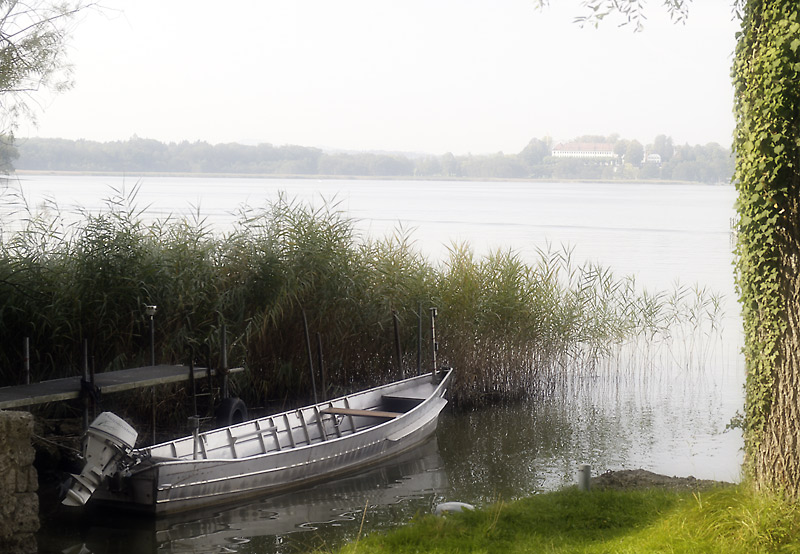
(163, 485)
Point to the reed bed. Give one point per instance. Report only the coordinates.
(511, 328)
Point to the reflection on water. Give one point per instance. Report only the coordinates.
(327, 513)
(671, 422)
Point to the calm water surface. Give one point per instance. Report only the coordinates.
(658, 232)
(649, 408)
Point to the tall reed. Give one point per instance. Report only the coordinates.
(510, 327)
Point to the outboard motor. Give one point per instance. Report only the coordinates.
(108, 440)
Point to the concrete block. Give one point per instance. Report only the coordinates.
(27, 513)
(8, 480)
(33, 480)
(19, 503)
(27, 479)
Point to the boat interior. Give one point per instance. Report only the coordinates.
(304, 426)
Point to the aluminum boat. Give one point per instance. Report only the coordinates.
(258, 457)
(398, 484)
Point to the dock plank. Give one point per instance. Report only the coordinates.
(69, 388)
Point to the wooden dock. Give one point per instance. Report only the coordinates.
(69, 388)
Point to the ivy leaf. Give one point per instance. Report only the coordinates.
(795, 44)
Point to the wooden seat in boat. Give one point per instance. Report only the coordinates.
(333, 410)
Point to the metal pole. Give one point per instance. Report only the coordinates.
(321, 363)
(224, 332)
(584, 476)
(192, 385)
(209, 380)
(85, 380)
(153, 403)
(150, 310)
(152, 340)
(194, 422)
(26, 358)
(310, 357)
(398, 351)
(419, 340)
(91, 383)
(435, 344)
(225, 392)
(86, 360)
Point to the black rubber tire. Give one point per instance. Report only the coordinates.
(230, 411)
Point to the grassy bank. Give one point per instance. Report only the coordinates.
(728, 520)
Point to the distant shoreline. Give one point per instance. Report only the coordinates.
(144, 174)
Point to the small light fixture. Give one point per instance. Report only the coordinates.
(150, 310)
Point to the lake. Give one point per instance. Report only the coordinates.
(662, 412)
(650, 230)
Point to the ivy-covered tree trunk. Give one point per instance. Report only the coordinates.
(766, 75)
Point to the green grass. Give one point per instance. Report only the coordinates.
(727, 520)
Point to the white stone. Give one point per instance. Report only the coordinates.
(450, 507)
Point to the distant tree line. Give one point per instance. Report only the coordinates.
(8, 153)
(710, 163)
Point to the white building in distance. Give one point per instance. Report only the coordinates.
(585, 150)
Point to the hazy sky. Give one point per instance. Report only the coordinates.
(413, 75)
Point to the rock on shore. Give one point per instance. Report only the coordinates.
(643, 479)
